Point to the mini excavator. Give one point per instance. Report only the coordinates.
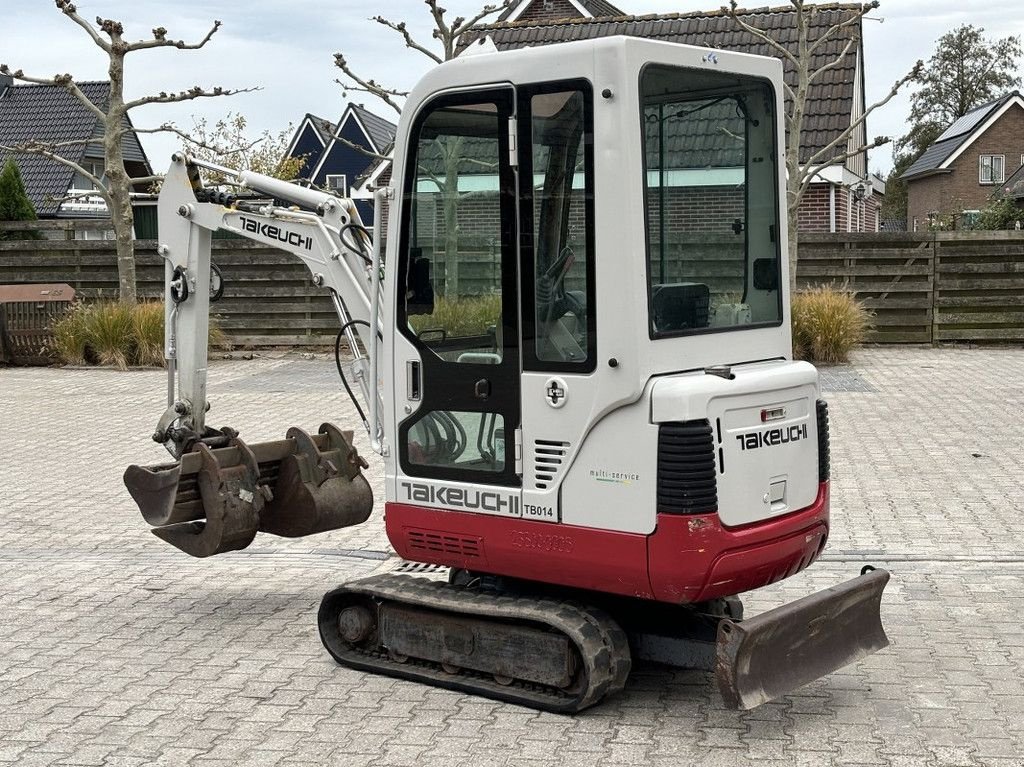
(574, 358)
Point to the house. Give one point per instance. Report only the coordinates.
(972, 159)
(331, 159)
(545, 10)
(52, 115)
(843, 196)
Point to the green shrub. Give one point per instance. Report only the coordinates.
(465, 316)
(117, 334)
(827, 324)
(15, 204)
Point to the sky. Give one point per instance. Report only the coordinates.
(286, 49)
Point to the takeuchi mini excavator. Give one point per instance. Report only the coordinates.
(574, 357)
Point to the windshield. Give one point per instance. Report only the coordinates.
(712, 201)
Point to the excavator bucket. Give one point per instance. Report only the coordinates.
(216, 500)
(775, 653)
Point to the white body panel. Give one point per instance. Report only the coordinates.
(613, 482)
(613, 65)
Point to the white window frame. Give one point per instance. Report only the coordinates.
(992, 181)
(331, 187)
(97, 168)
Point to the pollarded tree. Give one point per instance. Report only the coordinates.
(15, 204)
(807, 70)
(112, 117)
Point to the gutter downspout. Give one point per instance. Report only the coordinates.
(832, 208)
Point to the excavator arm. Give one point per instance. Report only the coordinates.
(220, 491)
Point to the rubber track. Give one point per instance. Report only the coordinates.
(601, 643)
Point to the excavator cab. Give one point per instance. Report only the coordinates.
(575, 361)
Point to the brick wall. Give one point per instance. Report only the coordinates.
(960, 190)
(851, 216)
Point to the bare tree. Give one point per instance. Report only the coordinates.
(116, 189)
(807, 70)
(448, 34)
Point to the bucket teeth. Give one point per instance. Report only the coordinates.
(216, 500)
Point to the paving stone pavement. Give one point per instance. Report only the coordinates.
(117, 650)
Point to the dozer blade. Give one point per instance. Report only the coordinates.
(216, 500)
(775, 653)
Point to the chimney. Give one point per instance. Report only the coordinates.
(6, 81)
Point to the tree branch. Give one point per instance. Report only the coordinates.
(358, 148)
(461, 27)
(160, 40)
(401, 28)
(64, 81)
(821, 156)
(189, 95)
(834, 64)
(68, 9)
(367, 86)
(835, 28)
(217, 148)
(759, 34)
(49, 152)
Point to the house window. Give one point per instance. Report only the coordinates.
(338, 184)
(83, 182)
(991, 169)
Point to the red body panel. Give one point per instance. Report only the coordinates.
(688, 558)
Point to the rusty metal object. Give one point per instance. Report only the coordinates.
(319, 486)
(27, 314)
(216, 500)
(783, 649)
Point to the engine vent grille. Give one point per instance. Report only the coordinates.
(687, 482)
(824, 451)
(548, 457)
(443, 543)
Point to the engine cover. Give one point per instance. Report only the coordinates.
(764, 431)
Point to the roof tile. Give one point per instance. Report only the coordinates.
(830, 100)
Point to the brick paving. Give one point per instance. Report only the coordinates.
(118, 650)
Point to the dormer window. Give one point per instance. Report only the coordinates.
(84, 183)
(338, 184)
(991, 169)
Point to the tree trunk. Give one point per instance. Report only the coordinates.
(123, 218)
(793, 213)
(450, 197)
(119, 188)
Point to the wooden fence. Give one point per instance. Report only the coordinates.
(922, 288)
(268, 298)
(927, 287)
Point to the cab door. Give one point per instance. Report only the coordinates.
(458, 267)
